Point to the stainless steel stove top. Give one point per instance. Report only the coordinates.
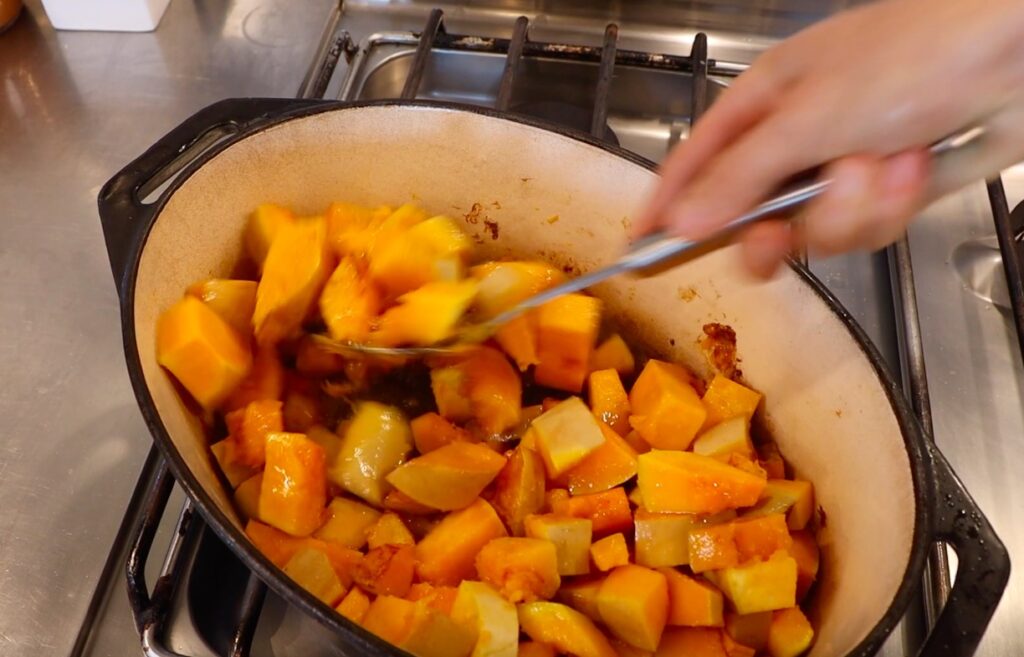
(974, 366)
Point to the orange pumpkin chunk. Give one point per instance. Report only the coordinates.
(389, 530)
(208, 357)
(633, 602)
(233, 300)
(349, 303)
(398, 501)
(354, 605)
(312, 570)
(535, 649)
(566, 330)
(347, 522)
(521, 569)
(447, 554)
(431, 431)
(712, 547)
(581, 595)
(760, 585)
(481, 386)
(571, 536)
(667, 413)
(450, 477)
(386, 570)
(249, 428)
(608, 400)
(613, 354)
(608, 511)
(804, 550)
(275, 545)
(440, 598)
(790, 633)
(264, 381)
(611, 464)
(760, 538)
(569, 631)
(725, 399)
(518, 339)
(609, 552)
(692, 602)
(294, 489)
(519, 488)
(425, 315)
(683, 482)
(416, 628)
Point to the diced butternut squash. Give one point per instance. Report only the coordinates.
(609, 552)
(344, 560)
(388, 530)
(613, 354)
(726, 399)
(430, 431)
(608, 510)
(349, 303)
(566, 330)
(294, 490)
(611, 464)
(226, 453)
(417, 628)
(771, 460)
(426, 315)
(518, 339)
(569, 631)
(275, 545)
(667, 413)
(729, 437)
(312, 570)
(749, 629)
(566, 435)
(264, 381)
(535, 649)
(376, 441)
(692, 602)
(208, 357)
(429, 251)
(662, 538)
(713, 547)
(233, 300)
(247, 496)
(296, 268)
(504, 284)
(760, 538)
(441, 598)
(571, 536)
(519, 488)
(804, 550)
(556, 501)
(264, 224)
(354, 605)
(490, 617)
(347, 228)
(790, 633)
(481, 386)
(386, 570)
(521, 569)
(760, 585)
(636, 441)
(633, 602)
(691, 642)
(450, 477)
(581, 595)
(608, 399)
(683, 482)
(794, 497)
(447, 554)
(399, 502)
(249, 428)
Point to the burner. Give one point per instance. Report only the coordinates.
(563, 114)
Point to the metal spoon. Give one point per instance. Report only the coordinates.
(654, 251)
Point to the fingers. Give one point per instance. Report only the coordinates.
(741, 106)
(869, 204)
(765, 245)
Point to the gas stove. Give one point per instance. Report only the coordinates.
(939, 298)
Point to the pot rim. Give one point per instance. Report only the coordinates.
(914, 440)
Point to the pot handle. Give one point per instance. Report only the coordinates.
(983, 566)
(129, 201)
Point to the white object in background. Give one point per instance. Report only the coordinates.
(105, 15)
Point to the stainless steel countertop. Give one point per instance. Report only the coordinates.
(75, 107)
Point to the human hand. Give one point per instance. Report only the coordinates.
(865, 92)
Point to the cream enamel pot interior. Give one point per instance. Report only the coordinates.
(834, 410)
